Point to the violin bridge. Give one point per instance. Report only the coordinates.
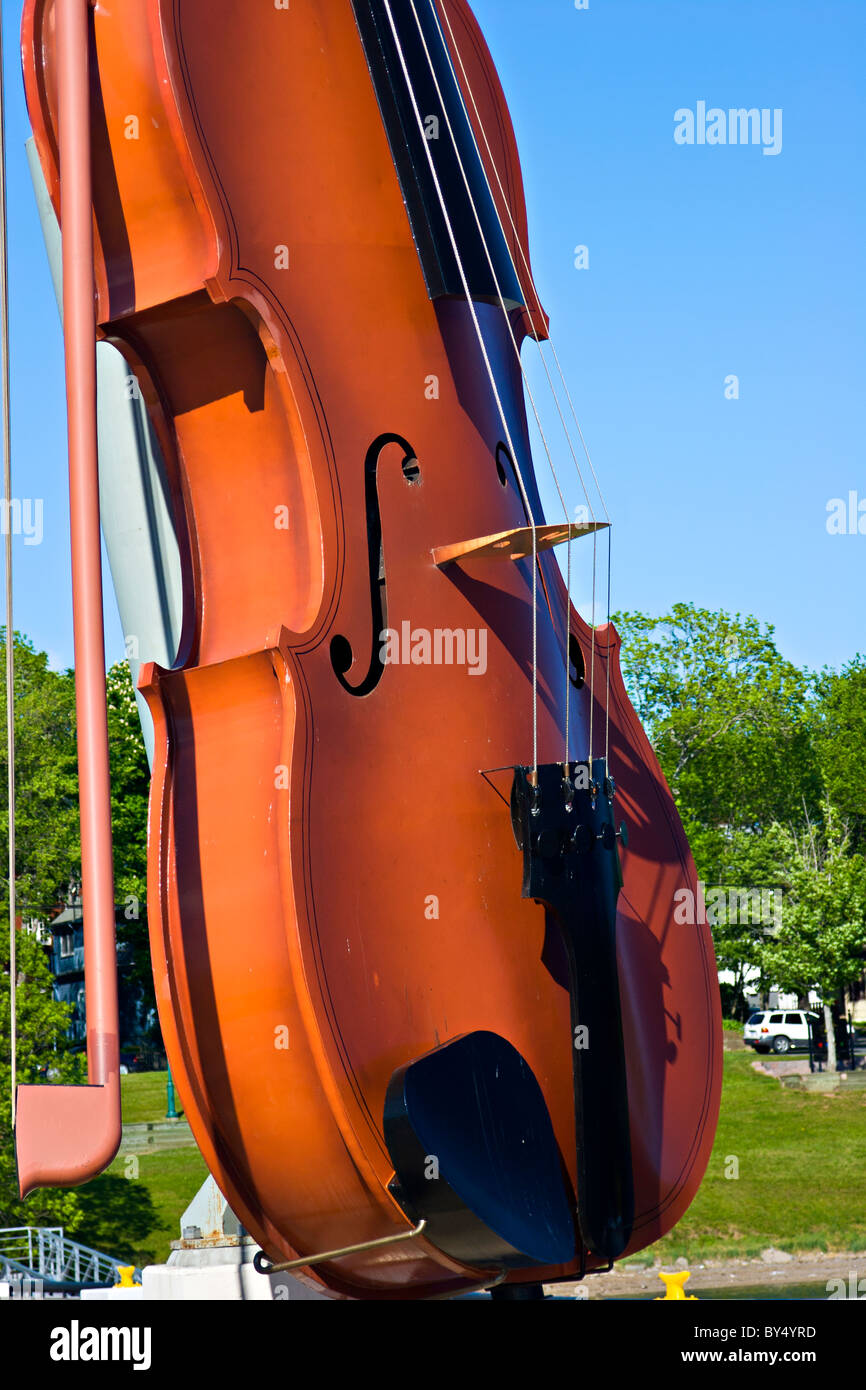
(516, 544)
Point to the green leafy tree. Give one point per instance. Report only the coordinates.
(47, 841)
(130, 785)
(821, 943)
(42, 1056)
(754, 861)
(110, 1213)
(48, 846)
(730, 720)
(755, 751)
(840, 735)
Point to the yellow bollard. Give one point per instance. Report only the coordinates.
(675, 1291)
(126, 1281)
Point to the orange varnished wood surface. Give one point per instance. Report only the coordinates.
(299, 834)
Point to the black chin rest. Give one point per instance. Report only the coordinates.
(475, 1155)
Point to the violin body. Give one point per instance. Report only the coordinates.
(334, 881)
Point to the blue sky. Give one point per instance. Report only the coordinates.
(704, 262)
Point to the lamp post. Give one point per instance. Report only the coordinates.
(171, 1113)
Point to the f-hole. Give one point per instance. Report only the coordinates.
(342, 655)
(504, 466)
(502, 458)
(576, 663)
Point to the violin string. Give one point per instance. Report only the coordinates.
(491, 376)
(518, 241)
(592, 650)
(531, 279)
(607, 662)
(5, 390)
(534, 332)
(507, 321)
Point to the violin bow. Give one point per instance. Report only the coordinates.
(65, 1135)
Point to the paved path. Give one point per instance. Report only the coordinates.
(774, 1267)
(156, 1136)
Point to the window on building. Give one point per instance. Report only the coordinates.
(66, 947)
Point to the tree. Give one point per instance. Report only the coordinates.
(42, 1055)
(742, 924)
(730, 720)
(755, 752)
(109, 1213)
(130, 786)
(48, 845)
(821, 943)
(840, 735)
(47, 842)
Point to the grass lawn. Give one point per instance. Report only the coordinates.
(801, 1159)
(143, 1097)
(169, 1179)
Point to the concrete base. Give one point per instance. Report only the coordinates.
(827, 1081)
(213, 1261)
(134, 1295)
(221, 1271)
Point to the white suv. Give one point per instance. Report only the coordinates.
(783, 1030)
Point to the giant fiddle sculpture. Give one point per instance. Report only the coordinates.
(424, 999)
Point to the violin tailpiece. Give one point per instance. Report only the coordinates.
(562, 816)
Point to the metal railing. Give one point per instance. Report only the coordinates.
(44, 1252)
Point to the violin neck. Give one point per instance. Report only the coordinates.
(442, 177)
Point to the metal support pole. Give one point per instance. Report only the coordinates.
(67, 1134)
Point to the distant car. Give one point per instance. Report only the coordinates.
(779, 1031)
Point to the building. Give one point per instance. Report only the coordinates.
(856, 998)
(66, 949)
